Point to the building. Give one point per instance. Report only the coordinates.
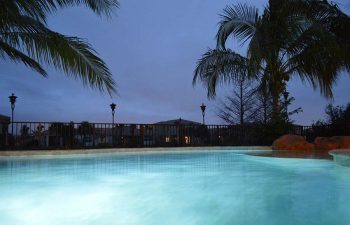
(179, 122)
(4, 123)
(178, 132)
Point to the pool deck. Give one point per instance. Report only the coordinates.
(4, 153)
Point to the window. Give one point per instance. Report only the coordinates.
(187, 140)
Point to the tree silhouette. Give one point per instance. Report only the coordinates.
(301, 38)
(239, 108)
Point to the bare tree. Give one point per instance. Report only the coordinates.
(239, 108)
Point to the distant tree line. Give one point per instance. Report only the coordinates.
(249, 104)
(339, 114)
(336, 122)
(59, 133)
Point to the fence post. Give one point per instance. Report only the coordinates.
(180, 127)
(302, 131)
(142, 135)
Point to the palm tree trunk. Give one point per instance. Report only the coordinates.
(242, 104)
(275, 88)
(275, 105)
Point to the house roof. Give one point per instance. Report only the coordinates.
(4, 118)
(179, 121)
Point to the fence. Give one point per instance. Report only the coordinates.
(56, 135)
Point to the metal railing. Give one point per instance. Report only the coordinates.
(57, 135)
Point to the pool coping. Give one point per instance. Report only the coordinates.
(9, 153)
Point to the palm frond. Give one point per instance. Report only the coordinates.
(237, 20)
(318, 57)
(39, 9)
(11, 9)
(72, 55)
(100, 7)
(19, 56)
(257, 51)
(218, 67)
(314, 52)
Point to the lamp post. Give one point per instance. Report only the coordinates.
(113, 111)
(203, 112)
(113, 106)
(12, 98)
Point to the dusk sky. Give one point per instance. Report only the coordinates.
(152, 48)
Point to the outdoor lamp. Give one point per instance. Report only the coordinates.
(12, 98)
(113, 106)
(203, 111)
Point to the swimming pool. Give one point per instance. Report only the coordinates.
(202, 188)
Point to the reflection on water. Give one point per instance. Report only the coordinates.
(178, 188)
(314, 154)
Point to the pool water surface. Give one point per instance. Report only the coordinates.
(193, 188)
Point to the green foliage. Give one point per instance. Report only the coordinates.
(25, 38)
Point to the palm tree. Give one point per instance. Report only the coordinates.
(291, 37)
(25, 38)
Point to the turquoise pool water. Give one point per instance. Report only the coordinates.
(202, 188)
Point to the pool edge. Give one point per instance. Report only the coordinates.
(9, 153)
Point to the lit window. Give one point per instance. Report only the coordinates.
(187, 140)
